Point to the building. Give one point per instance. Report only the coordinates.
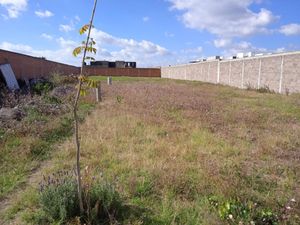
(116, 64)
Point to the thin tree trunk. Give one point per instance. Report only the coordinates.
(75, 109)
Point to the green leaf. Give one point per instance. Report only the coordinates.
(84, 29)
(92, 83)
(77, 51)
(82, 92)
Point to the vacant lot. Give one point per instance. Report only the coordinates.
(189, 153)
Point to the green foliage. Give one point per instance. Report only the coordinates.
(52, 99)
(59, 133)
(119, 99)
(58, 79)
(2, 134)
(105, 202)
(33, 114)
(39, 150)
(237, 212)
(84, 29)
(42, 87)
(59, 200)
(58, 197)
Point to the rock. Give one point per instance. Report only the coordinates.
(7, 114)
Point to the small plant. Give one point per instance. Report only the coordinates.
(119, 99)
(42, 87)
(237, 212)
(60, 203)
(265, 89)
(58, 196)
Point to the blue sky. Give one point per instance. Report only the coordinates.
(151, 32)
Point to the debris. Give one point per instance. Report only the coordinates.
(9, 77)
(11, 114)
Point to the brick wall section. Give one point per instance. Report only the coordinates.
(279, 72)
(28, 67)
(129, 72)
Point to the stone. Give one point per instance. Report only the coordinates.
(7, 114)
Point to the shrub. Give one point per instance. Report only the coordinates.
(58, 79)
(59, 199)
(105, 203)
(42, 87)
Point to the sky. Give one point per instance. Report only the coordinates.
(151, 32)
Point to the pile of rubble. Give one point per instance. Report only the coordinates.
(14, 105)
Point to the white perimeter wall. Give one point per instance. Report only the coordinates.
(280, 72)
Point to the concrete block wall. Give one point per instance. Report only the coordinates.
(279, 72)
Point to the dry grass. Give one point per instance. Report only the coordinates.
(169, 146)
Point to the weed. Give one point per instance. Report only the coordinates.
(237, 212)
(265, 89)
(59, 199)
(52, 99)
(33, 114)
(59, 133)
(119, 99)
(42, 87)
(39, 150)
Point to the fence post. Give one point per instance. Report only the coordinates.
(243, 73)
(229, 75)
(259, 74)
(281, 74)
(218, 78)
(98, 93)
(109, 80)
(208, 70)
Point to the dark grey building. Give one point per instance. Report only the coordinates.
(116, 64)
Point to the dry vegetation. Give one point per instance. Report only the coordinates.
(181, 152)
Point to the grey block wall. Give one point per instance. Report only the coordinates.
(279, 72)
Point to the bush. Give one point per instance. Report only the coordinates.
(42, 87)
(59, 199)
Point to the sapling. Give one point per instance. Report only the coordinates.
(83, 82)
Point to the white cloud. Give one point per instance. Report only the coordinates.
(44, 14)
(226, 18)
(63, 54)
(46, 36)
(109, 47)
(242, 47)
(13, 7)
(290, 29)
(221, 43)
(65, 27)
(146, 19)
(127, 49)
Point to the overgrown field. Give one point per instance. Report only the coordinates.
(186, 153)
